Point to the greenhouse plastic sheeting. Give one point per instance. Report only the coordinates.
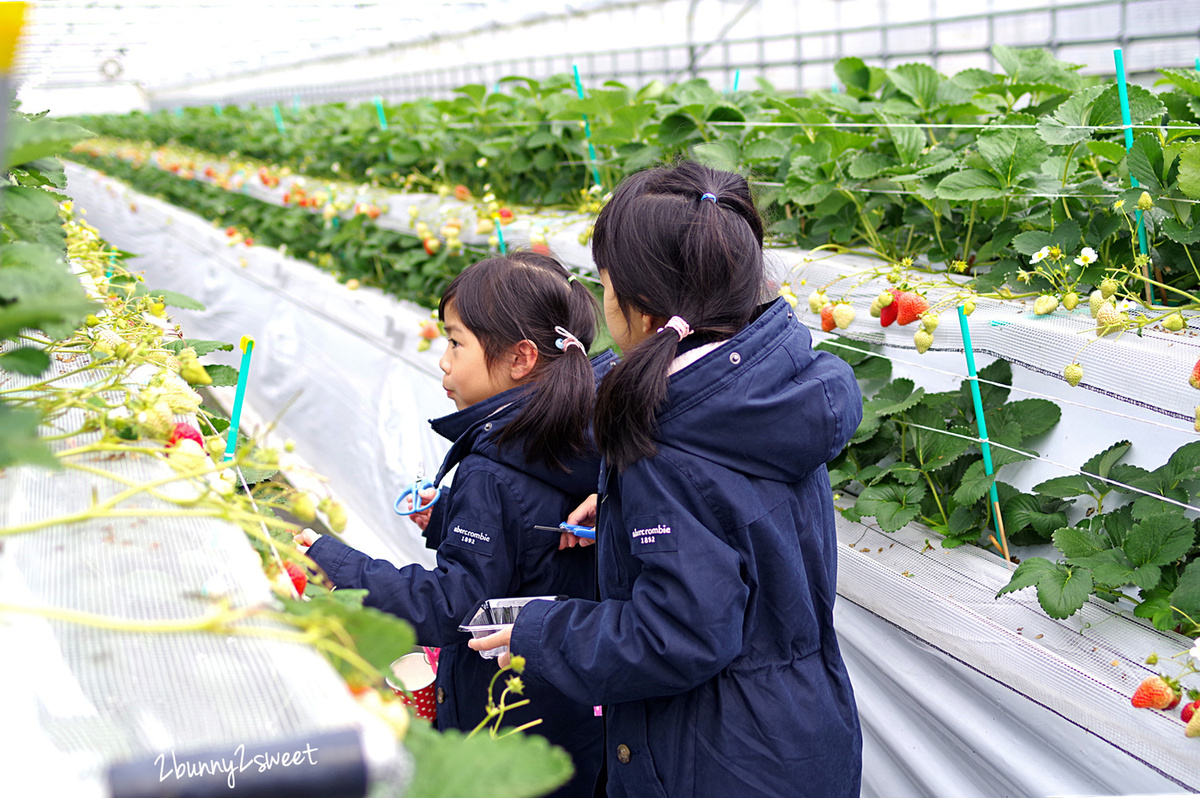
(91, 711)
(960, 693)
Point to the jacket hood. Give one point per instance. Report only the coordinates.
(764, 403)
(474, 429)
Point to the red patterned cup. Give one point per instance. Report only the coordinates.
(413, 674)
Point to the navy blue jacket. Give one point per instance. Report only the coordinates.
(482, 528)
(713, 650)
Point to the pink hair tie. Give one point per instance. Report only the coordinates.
(568, 340)
(677, 324)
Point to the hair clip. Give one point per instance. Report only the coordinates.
(710, 197)
(568, 340)
(677, 324)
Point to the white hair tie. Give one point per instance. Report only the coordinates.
(677, 324)
(568, 340)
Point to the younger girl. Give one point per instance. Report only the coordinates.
(517, 369)
(713, 649)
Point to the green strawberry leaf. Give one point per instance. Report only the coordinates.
(1156, 608)
(379, 637)
(1189, 171)
(1036, 416)
(1109, 567)
(1064, 487)
(1076, 542)
(936, 450)
(172, 298)
(19, 441)
(26, 360)
(1064, 591)
(516, 765)
(1186, 596)
(895, 397)
(892, 504)
(222, 375)
(202, 347)
(1159, 539)
(1025, 510)
(969, 185)
(866, 428)
(873, 368)
(1029, 573)
(973, 485)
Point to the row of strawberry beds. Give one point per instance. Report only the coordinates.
(141, 377)
(976, 167)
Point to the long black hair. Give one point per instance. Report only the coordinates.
(681, 240)
(523, 296)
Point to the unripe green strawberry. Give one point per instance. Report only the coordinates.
(1109, 319)
(843, 315)
(1070, 300)
(875, 308)
(816, 301)
(156, 421)
(1145, 201)
(930, 321)
(1109, 287)
(1045, 304)
(1193, 727)
(1196, 423)
(1095, 300)
(194, 373)
(885, 298)
(1174, 322)
(923, 339)
(336, 514)
(968, 307)
(303, 508)
(92, 320)
(1073, 373)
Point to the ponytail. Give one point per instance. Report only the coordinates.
(526, 296)
(681, 241)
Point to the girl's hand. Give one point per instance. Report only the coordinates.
(494, 640)
(421, 519)
(305, 538)
(584, 515)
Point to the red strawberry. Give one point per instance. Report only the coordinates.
(182, 431)
(1153, 693)
(888, 313)
(827, 320)
(231, 231)
(1188, 710)
(462, 193)
(432, 245)
(1195, 378)
(299, 578)
(909, 307)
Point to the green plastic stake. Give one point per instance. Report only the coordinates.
(296, 103)
(587, 128)
(247, 344)
(217, 107)
(1123, 94)
(382, 115)
(279, 119)
(500, 236)
(979, 419)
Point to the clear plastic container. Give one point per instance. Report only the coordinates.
(496, 614)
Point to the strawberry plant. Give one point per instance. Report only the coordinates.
(913, 457)
(1141, 547)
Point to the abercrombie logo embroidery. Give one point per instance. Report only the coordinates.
(467, 536)
(650, 534)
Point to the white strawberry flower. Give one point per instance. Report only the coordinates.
(1040, 255)
(1086, 257)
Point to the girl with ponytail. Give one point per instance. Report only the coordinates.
(516, 366)
(712, 648)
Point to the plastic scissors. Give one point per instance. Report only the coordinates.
(575, 529)
(413, 495)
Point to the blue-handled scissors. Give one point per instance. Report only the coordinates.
(575, 529)
(413, 495)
